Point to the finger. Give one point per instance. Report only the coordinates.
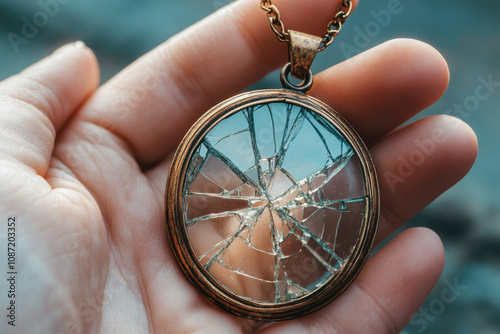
(36, 103)
(382, 88)
(391, 287)
(417, 163)
(152, 103)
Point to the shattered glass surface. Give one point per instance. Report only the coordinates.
(273, 202)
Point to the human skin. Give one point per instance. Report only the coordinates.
(83, 168)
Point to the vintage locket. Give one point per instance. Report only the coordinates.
(272, 199)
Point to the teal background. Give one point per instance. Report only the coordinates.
(466, 32)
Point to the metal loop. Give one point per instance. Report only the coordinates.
(303, 87)
(349, 10)
(273, 10)
(333, 32)
(264, 7)
(337, 27)
(340, 17)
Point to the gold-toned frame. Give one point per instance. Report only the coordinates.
(184, 254)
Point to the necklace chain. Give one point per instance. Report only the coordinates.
(332, 30)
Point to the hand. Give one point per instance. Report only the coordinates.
(84, 168)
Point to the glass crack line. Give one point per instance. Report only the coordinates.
(216, 153)
(224, 248)
(277, 252)
(312, 235)
(231, 135)
(215, 215)
(294, 131)
(327, 204)
(320, 135)
(227, 196)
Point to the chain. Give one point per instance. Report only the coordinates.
(332, 30)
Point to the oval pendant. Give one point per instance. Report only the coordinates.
(272, 205)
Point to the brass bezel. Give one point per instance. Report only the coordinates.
(200, 278)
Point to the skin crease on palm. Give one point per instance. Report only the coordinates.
(83, 168)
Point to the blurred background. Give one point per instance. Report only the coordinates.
(466, 32)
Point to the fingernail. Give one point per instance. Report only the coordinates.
(77, 44)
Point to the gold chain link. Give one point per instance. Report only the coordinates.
(332, 30)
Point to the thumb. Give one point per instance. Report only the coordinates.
(36, 103)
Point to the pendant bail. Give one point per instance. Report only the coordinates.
(302, 49)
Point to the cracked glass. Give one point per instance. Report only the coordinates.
(273, 202)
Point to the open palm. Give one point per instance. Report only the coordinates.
(84, 168)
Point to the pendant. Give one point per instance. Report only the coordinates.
(272, 200)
